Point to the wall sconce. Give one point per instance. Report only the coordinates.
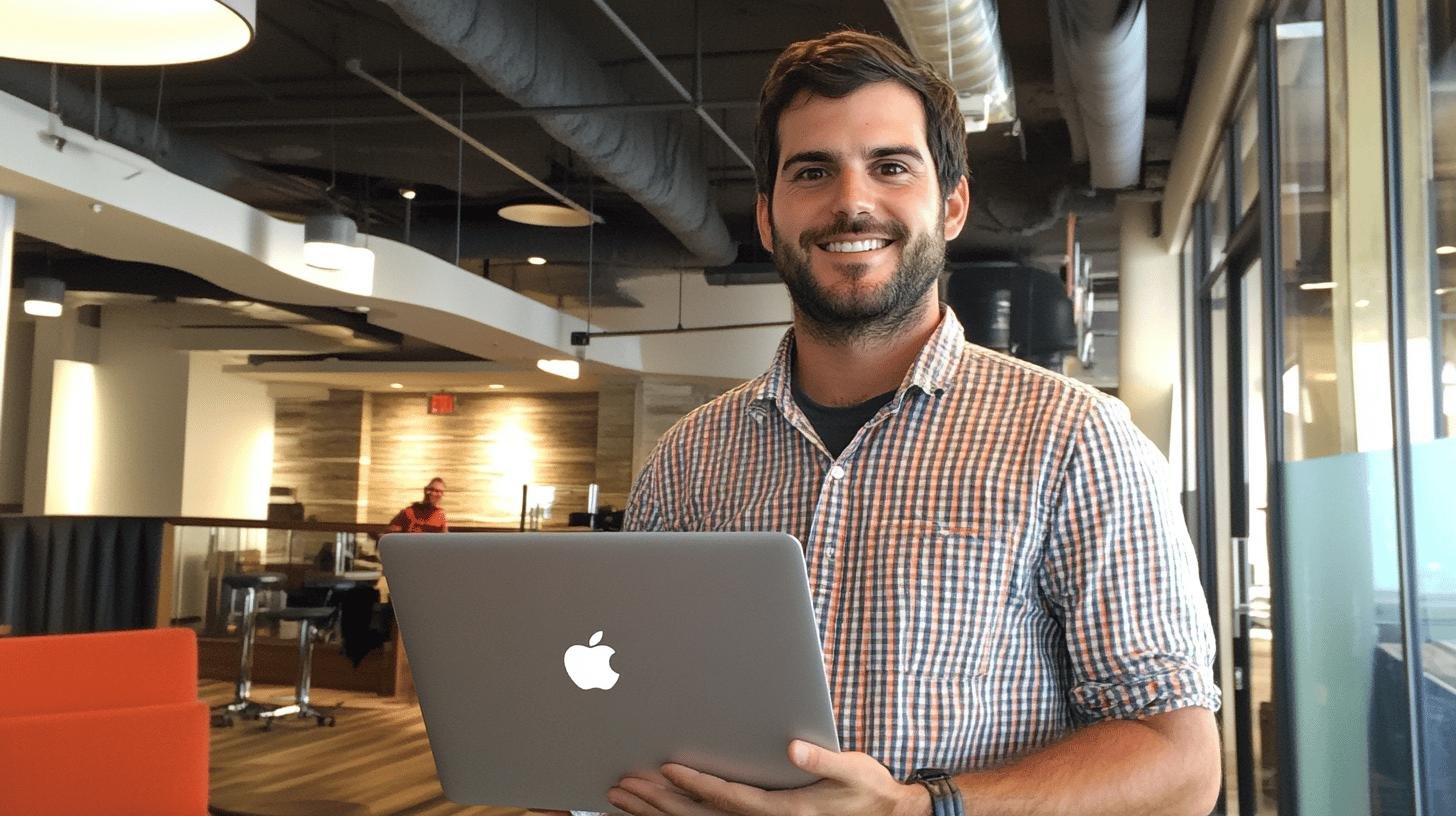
(44, 296)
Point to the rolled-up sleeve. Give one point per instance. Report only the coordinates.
(1121, 571)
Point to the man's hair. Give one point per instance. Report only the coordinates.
(838, 64)
(436, 479)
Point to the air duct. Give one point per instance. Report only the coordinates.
(1100, 61)
(519, 49)
(964, 44)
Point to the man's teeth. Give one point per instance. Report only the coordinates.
(857, 246)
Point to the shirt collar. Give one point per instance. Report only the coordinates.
(931, 372)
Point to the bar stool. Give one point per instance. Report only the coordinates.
(241, 705)
(311, 620)
(307, 618)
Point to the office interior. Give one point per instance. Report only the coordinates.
(1238, 217)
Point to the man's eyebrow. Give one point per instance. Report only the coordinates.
(807, 156)
(909, 151)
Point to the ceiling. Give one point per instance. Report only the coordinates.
(294, 132)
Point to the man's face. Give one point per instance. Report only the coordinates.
(434, 492)
(857, 225)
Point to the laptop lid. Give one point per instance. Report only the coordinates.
(549, 665)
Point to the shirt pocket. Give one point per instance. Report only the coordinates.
(943, 594)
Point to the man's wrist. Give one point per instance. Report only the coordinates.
(915, 801)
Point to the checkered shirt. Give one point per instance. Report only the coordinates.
(993, 560)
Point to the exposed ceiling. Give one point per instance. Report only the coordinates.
(299, 133)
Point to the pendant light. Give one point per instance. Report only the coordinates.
(137, 32)
(330, 241)
(44, 296)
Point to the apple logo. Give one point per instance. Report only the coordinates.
(590, 666)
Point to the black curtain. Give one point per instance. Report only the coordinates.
(63, 574)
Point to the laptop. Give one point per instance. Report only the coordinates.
(549, 665)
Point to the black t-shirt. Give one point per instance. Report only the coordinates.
(837, 425)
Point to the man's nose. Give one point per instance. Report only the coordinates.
(854, 194)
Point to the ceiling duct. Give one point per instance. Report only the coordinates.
(520, 50)
(964, 45)
(1100, 62)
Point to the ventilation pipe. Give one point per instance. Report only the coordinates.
(964, 45)
(520, 50)
(1100, 62)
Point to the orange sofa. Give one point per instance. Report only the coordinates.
(107, 723)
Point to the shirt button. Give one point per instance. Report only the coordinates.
(836, 472)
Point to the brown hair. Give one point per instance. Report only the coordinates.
(838, 64)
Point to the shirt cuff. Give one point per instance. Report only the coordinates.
(1136, 699)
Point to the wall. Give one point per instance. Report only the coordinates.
(485, 451)
(616, 439)
(228, 462)
(1148, 342)
(316, 451)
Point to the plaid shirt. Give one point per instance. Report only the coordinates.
(993, 560)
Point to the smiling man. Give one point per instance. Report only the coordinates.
(1007, 601)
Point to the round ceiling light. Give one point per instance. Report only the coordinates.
(544, 215)
(141, 32)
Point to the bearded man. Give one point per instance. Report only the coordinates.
(1007, 600)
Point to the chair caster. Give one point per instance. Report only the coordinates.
(222, 721)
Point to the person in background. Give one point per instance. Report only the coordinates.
(423, 516)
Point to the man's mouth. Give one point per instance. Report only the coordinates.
(863, 245)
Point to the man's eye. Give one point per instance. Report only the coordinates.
(810, 174)
(892, 169)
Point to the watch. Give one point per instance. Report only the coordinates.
(945, 797)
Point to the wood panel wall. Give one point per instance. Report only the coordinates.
(316, 452)
(484, 451)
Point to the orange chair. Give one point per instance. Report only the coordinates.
(106, 723)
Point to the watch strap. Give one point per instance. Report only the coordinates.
(945, 797)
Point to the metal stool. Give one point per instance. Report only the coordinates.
(307, 617)
(241, 705)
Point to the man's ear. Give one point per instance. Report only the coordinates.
(957, 208)
(765, 222)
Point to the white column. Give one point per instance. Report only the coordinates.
(1148, 331)
(7, 263)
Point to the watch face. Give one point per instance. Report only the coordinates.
(929, 775)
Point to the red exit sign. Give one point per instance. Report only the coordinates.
(442, 403)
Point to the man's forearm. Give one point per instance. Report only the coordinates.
(1166, 765)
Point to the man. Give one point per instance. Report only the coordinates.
(423, 516)
(1002, 589)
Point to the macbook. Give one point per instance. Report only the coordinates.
(549, 665)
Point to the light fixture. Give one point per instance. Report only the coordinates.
(1312, 287)
(544, 215)
(536, 260)
(396, 386)
(330, 241)
(570, 369)
(407, 193)
(142, 32)
(44, 296)
(1361, 303)
(495, 386)
(1446, 249)
(1444, 290)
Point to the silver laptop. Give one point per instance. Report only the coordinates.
(549, 665)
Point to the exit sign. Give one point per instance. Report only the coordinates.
(442, 403)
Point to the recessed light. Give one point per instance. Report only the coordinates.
(536, 260)
(495, 386)
(396, 386)
(1361, 303)
(1446, 249)
(407, 193)
(361, 309)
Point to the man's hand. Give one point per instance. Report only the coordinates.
(852, 783)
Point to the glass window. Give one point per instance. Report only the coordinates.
(1426, 44)
(1248, 148)
(1217, 195)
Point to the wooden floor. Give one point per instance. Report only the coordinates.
(376, 755)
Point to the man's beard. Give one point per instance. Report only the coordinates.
(860, 315)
